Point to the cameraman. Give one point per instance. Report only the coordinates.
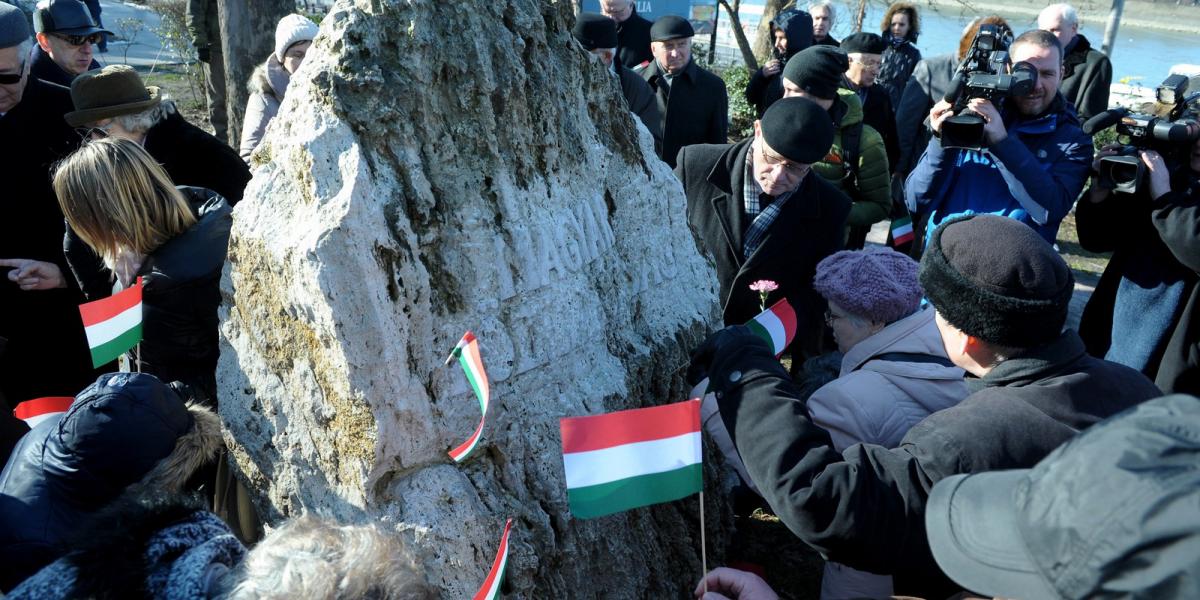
(1147, 297)
(1036, 158)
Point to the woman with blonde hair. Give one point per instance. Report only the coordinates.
(123, 205)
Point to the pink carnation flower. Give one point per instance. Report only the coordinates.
(764, 286)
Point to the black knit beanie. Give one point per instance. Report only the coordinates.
(817, 70)
(996, 279)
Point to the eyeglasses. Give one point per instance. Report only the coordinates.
(791, 168)
(79, 40)
(830, 318)
(869, 64)
(94, 133)
(11, 78)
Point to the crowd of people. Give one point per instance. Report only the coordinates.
(941, 429)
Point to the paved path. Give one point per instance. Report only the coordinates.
(137, 42)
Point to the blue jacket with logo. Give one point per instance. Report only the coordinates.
(1034, 175)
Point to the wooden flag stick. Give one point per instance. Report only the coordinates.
(703, 550)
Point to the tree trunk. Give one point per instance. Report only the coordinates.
(248, 38)
(860, 15)
(735, 23)
(1110, 29)
(763, 40)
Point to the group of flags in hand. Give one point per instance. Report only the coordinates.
(612, 462)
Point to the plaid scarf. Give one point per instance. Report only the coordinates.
(762, 217)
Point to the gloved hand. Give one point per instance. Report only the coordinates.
(204, 54)
(729, 339)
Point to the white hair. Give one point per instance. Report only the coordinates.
(828, 6)
(310, 558)
(1069, 15)
(141, 122)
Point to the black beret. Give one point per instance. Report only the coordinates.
(595, 31)
(671, 27)
(996, 279)
(864, 43)
(817, 70)
(798, 129)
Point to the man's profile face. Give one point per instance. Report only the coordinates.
(605, 55)
(1053, 22)
(781, 41)
(822, 21)
(12, 63)
(73, 59)
(864, 68)
(775, 174)
(672, 55)
(1049, 67)
(617, 10)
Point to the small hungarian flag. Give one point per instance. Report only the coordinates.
(902, 230)
(467, 352)
(39, 409)
(777, 325)
(623, 460)
(491, 586)
(114, 324)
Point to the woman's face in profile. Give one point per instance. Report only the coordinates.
(295, 55)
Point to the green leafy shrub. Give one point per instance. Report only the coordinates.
(741, 112)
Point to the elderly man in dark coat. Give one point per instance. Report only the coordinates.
(1001, 317)
(760, 213)
(598, 35)
(633, 31)
(1087, 72)
(46, 354)
(693, 102)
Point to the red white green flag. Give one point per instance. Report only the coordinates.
(467, 352)
(491, 586)
(776, 325)
(113, 325)
(623, 460)
(40, 409)
(902, 230)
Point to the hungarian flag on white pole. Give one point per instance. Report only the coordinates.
(114, 324)
(467, 352)
(623, 460)
(491, 586)
(777, 325)
(40, 409)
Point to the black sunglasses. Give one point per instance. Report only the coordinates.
(11, 78)
(79, 40)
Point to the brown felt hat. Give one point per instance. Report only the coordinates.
(110, 92)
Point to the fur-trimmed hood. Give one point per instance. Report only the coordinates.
(146, 544)
(270, 79)
(125, 429)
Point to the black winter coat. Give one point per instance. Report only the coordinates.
(633, 40)
(640, 99)
(807, 230)
(898, 64)
(694, 108)
(43, 67)
(763, 90)
(47, 353)
(193, 157)
(180, 294)
(865, 507)
(1165, 234)
(1087, 77)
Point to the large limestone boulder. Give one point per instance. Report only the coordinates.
(440, 167)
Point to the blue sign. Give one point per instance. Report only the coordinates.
(653, 9)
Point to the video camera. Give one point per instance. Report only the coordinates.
(1171, 136)
(985, 72)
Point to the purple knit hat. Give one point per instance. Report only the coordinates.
(878, 284)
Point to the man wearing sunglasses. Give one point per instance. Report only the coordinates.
(67, 37)
(756, 209)
(46, 354)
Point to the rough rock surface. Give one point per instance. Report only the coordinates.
(438, 167)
